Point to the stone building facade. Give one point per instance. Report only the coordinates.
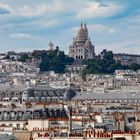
(82, 48)
(127, 59)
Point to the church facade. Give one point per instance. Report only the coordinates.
(82, 48)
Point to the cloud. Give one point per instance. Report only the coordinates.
(4, 11)
(109, 23)
(41, 9)
(99, 10)
(4, 8)
(48, 23)
(130, 45)
(6, 26)
(101, 28)
(94, 28)
(20, 36)
(102, 4)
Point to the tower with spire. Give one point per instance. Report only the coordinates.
(82, 47)
(85, 28)
(50, 46)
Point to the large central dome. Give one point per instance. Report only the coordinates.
(81, 35)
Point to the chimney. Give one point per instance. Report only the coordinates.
(70, 119)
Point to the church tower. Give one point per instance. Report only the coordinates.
(86, 30)
(50, 46)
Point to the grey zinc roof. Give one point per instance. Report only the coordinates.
(7, 137)
(12, 88)
(108, 96)
(42, 87)
(32, 91)
(16, 88)
(24, 114)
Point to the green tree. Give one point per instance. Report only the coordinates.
(44, 65)
(24, 57)
(54, 61)
(134, 67)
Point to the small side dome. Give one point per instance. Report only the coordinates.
(74, 42)
(88, 43)
(69, 94)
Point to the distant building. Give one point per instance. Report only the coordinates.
(22, 94)
(75, 67)
(50, 46)
(127, 59)
(13, 55)
(47, 51)
(2, 56)
(82, 47)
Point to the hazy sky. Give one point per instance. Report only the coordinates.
(30, 24)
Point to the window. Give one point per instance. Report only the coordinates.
(24, 100)
(11, 125)
(37, 115)
(31, 99)
(135, 101)
(18, 125)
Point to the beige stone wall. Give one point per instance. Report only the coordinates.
(137, 137)
(137, 126)
(38, 124)
(74, 138)
(22, 135)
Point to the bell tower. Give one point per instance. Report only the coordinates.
(50, 46)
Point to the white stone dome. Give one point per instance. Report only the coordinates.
(81, 35)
